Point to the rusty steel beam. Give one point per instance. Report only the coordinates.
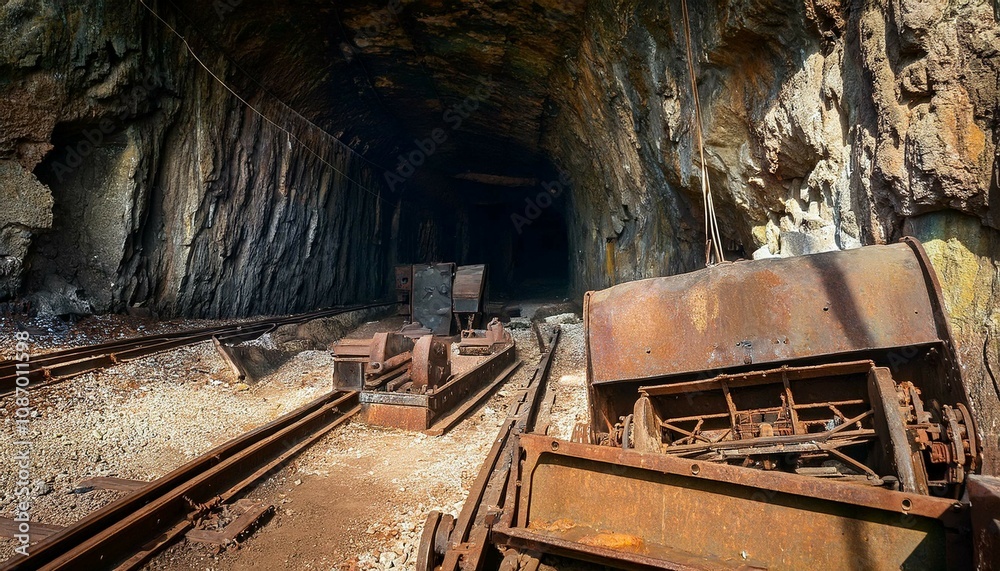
(467, 543)
(636, 510)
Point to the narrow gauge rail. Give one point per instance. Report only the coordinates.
(449, 544)
(58, 366)
(126, 533)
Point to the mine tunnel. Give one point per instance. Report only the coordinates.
(520, 285)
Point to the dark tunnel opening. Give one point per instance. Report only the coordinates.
(521, 234)
(528, 256)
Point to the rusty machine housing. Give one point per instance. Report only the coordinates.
(409, 378)
(798, 413)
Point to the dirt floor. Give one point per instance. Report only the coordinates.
(355, 500)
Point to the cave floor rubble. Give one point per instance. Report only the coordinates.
(356, 499)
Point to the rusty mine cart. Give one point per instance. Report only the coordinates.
(786, 414)
(409, 378)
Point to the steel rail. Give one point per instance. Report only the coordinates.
(58, 366)
(129, 531)
(466, 547)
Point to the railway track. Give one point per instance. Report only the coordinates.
(58, 366)
(450, 544)
(126, 533)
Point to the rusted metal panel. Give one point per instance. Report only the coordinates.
(461, 386)
(396, 416)
(470, 282)
(615, 558)
(657, 506)
(758, 312)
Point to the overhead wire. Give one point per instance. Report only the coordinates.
(713, 239)
(232, 60)
(376, 194)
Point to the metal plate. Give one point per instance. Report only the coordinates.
(469, 284)
(763, 311)
(654, 506)
(431, 296)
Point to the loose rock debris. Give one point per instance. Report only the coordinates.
(355, 500)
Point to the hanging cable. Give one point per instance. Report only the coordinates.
(713, 240)
(377, 195)
(232, 61)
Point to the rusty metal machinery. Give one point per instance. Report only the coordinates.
(839, 366)
(436, 296)
(800, 413)
(410, 383)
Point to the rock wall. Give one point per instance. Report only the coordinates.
(135, 178)
(140, 180)
(828, 124)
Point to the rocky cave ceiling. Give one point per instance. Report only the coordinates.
(383, 75)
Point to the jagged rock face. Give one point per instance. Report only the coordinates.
(163, 189)
(827, 125)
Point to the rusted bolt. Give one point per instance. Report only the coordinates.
(555, 445)
(695, 469)
(907, 504)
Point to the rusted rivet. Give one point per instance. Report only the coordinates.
(555, 445)
(695, 469)
(907, 504)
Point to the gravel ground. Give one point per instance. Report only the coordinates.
(137, 420)
(567, 388)
(355, 500)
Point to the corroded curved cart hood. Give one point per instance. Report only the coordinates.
(765, 311)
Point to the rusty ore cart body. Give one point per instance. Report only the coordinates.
(797, 413)
(408, 378)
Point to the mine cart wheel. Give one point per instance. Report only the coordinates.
(970, 431)
(443, 534)
(434, 540)
(425, 549)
